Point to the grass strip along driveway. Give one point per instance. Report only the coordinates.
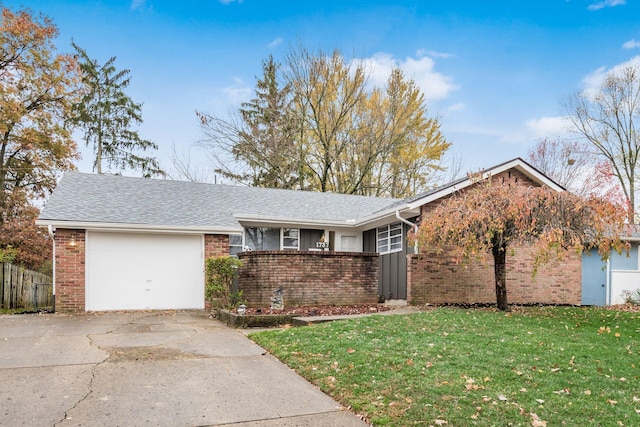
(544, 366)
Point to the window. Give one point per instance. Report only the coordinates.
(262, 238)
(235, 244)
(290, 238)
(272, 239)
(390, 238)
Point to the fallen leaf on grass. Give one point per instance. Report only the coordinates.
(441, 422)
(539, 400)
(587, 392)
(536, 421)
(612, 402)
(350, 350)
(502, 397)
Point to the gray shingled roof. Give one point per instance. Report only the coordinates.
(81, 197)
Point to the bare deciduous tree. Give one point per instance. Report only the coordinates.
(608, 119)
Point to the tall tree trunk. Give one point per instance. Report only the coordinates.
(499, 252)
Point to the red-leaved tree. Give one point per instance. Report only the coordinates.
(493, 217)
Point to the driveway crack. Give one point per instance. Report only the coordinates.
(89, 386)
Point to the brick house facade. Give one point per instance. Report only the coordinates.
(436, 279)
(125, 243)
(439, 279)
(70, 261)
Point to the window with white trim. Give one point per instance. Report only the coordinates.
(235, 244)
(389, 238)
(290, 238)
(271, 239)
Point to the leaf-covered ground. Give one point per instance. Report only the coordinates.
(538, 366)
(323, 310)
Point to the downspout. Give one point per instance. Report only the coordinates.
(415, 230)
(607, 292)
(53, 284)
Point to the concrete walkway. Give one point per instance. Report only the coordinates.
(151, 369)
(312, 320)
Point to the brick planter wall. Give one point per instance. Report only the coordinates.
(309, 278)
(440, 280)
(70, 270)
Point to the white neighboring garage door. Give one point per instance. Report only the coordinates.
(137, 271)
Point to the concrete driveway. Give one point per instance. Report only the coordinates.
(149, 369)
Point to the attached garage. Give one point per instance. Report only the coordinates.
(140, 271)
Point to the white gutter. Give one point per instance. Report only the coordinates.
(97, 226)
(53, 281)
(349, 223)
(412, 225)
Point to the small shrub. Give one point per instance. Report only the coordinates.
(632, 297)
(8, 254)
(220, 273)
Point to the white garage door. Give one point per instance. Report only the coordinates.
(129, 271)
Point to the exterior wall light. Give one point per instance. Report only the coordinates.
(72, 241)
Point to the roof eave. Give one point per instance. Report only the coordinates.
(105, 226)
(517, 163)
(262, 219)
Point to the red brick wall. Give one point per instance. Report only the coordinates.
(309, 278)
(216, 245)
(439, 280)
(70, 270)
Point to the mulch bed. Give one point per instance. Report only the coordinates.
(633, 308)
(322, 310)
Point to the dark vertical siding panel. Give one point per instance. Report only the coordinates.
(386, 276)
(369, 241)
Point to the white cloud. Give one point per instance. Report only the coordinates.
(433, 84)
(238, 92)
(534, 129)
(460, 106)
(275, 43)
(138, 4)
(542, 127)
(631, 44)
(592, 81)
(606, 3)
(434, 54)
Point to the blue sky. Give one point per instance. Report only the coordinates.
(495, 72)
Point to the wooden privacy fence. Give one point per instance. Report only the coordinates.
(22, 288)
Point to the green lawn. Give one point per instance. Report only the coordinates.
(532, 367)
